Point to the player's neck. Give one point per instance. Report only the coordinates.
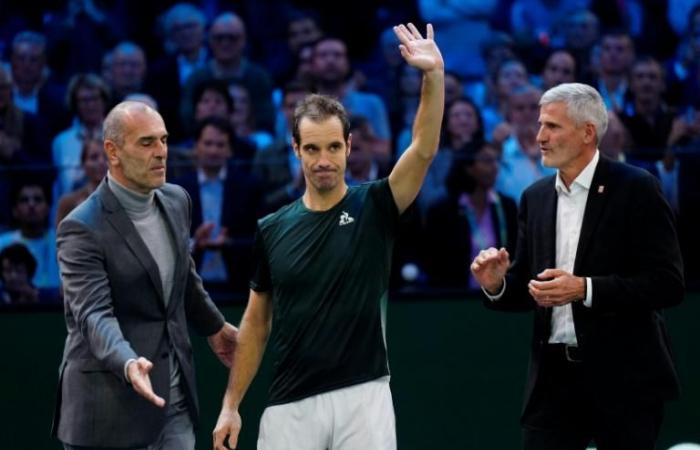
(323, 201)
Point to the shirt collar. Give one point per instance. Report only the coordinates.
(202, 177)
(584, 179)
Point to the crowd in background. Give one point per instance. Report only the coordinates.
(226, 76)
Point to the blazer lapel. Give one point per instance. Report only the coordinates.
(597, 198)
(125, 228)
(547, 229)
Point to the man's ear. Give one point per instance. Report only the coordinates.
(589, 133)
(349, 144)
(111, 152)
(297, 151)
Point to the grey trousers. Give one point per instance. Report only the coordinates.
(177, 434)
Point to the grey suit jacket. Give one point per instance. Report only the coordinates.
(115, 310)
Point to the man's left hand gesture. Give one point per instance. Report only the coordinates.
(419, 52)
(223, 343)
(556, 287)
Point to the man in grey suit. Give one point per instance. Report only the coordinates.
(131, 290)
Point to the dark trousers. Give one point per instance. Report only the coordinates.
(564, 413)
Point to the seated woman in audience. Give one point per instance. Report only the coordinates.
(470, 217)
(94, 163)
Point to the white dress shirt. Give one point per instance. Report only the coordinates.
(571, 204)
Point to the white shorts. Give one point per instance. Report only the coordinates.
(358, 417)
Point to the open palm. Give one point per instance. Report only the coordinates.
(419, 52)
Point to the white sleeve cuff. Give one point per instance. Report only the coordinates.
(588, 301)
(498, 296)
(126, 366)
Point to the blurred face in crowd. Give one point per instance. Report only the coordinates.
(139, 162)
(560, 68)
(523, 109)
(302, 31)
(211, 104)
(330, 60)
(462, 120)
(581, 30)
(360, 158)
(31, 208)
(410, 81)
(90, 105)
(227, 39)
(241, 105)
(15, 275)
(27, 62)
(212, 150)
(187, 34)
(128, 69)
(647, 81)
(484, 169)
(510, 76)
(616, 54)
(323, 153)
(94, 161)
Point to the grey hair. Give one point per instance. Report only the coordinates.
(113, 126)
(583, 105)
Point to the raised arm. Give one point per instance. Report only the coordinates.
(252, 339)
(407, 176)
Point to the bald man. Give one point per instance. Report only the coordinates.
(131, 291)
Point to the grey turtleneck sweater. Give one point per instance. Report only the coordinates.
(151, 225)
(153, 229)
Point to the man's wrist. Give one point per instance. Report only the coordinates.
(126, 369)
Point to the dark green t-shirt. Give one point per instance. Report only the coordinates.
(328, 273)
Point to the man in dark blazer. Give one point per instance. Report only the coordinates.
(226, 204)
(598, 259)
(131, 290)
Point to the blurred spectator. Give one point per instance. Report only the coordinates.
(277, 166)
(559, 68)
(225, 207)
(88, 100)
(30, 211)
(521, 162)
(679, 12)
(94, 164)
(78, 36)
(683, 71)
(17, 268)
(616, 57)
(462, 128)
(616, 139)
(23, 143)
(227, 40)
(498, 48)
(362, 163)
(454, 20)
(581, 32)
(303, 29)
(510, 75)
(331, 69)
(647, 119)
(34, 91)
(183, 27)
(243, 118)
(407, 102)
(470, 217)
(127, 70)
